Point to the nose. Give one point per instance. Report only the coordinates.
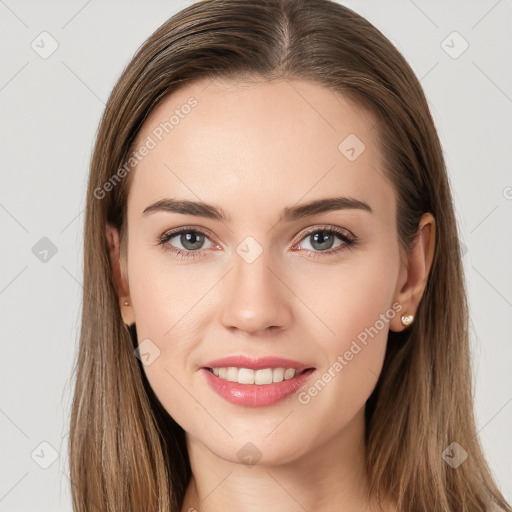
(254, 298)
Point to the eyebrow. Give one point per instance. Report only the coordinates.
(289, 214)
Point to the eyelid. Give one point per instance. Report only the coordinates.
(327, 227)
(184, 229)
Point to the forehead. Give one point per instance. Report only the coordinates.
(260, 144)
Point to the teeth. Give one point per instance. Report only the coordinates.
(289, 373)
(245, 375)
(278, 375)
(232, 374)
(263, 376)
(260, 377)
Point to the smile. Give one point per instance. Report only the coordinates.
(255, 388)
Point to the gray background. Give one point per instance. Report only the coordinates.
(50, 111)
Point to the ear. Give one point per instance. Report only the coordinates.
(121, 279)
(414, 275)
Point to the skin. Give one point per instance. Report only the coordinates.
(254, 148)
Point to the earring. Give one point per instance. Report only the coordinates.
(407, 319)
(126, 303)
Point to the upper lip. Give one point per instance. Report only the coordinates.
(256, 364)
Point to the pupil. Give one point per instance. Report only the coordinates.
(193, 239)
(322, 237)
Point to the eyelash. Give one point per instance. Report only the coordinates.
(349, 241)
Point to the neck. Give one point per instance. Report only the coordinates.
(330, 477)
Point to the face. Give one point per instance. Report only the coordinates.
(270, 278)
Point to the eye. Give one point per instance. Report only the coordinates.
(187, 242)
(322, 240)
(191, 241)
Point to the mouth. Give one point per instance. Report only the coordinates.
(256, 387)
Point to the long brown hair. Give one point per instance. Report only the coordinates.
(127, 454)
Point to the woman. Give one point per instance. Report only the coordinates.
(274, 312)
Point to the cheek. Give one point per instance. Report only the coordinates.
(359, 307)
(344, 301)
(165, 301)
(165, 293)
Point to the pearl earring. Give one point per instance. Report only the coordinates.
(407, 319)
(126, 303)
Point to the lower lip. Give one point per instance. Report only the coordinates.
(255, 395)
